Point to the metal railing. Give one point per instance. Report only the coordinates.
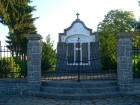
(136, 61)
(77, 70)
(13, 63)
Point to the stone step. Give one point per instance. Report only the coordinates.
(68, 90)
(136, 88)
(77, 90)
(75, 96)
(82, 84)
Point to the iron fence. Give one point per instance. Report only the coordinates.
(73, 66)
(78, 72)
(136, 61)
(13, 64)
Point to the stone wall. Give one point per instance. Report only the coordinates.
(13, 86)
(136, 86)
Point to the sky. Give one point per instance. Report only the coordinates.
(57, 15)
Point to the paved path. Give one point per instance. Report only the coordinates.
(28, 100)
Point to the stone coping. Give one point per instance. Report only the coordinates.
(124, 35)
(34, 37)
(13, 80)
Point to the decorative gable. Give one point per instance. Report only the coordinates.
(77, 30)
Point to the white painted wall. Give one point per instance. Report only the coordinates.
(78, 31)
(78, 28)
(82, 38)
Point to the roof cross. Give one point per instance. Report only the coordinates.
(77, 15)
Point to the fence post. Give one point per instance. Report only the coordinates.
(34, 61)
(124, 63)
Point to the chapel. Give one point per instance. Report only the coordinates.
(78, 48)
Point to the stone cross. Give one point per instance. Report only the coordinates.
(77, 15)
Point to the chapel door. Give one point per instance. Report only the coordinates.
(85, 52)
(70, 53)
(78, 52)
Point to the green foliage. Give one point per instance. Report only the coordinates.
(108, 52)
(138, 66)
(23, 65)
(9, 68)
(116, 21)
(48, 61)
(136, 70)
(136, 39)
(16, 14)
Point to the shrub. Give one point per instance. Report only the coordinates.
(9, 68)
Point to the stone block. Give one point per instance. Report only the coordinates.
(126, 43)
(35, 61)
(4, 91)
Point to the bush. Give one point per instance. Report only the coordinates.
(48, 61)
(138, 65)
(9, 68)
(136, 70)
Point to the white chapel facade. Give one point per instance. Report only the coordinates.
(78, 46)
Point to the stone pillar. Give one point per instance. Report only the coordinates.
(34, 61)
(124, 63)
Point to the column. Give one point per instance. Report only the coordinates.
(34, 61)
(124, 63)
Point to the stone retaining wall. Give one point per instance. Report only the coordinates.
(136, 86)
(13, 86)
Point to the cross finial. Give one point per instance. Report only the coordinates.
(77, 15)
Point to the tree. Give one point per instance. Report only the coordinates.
(48, 60)
(16, 14)
(116, 21)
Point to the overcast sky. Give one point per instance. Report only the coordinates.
(56, 15)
